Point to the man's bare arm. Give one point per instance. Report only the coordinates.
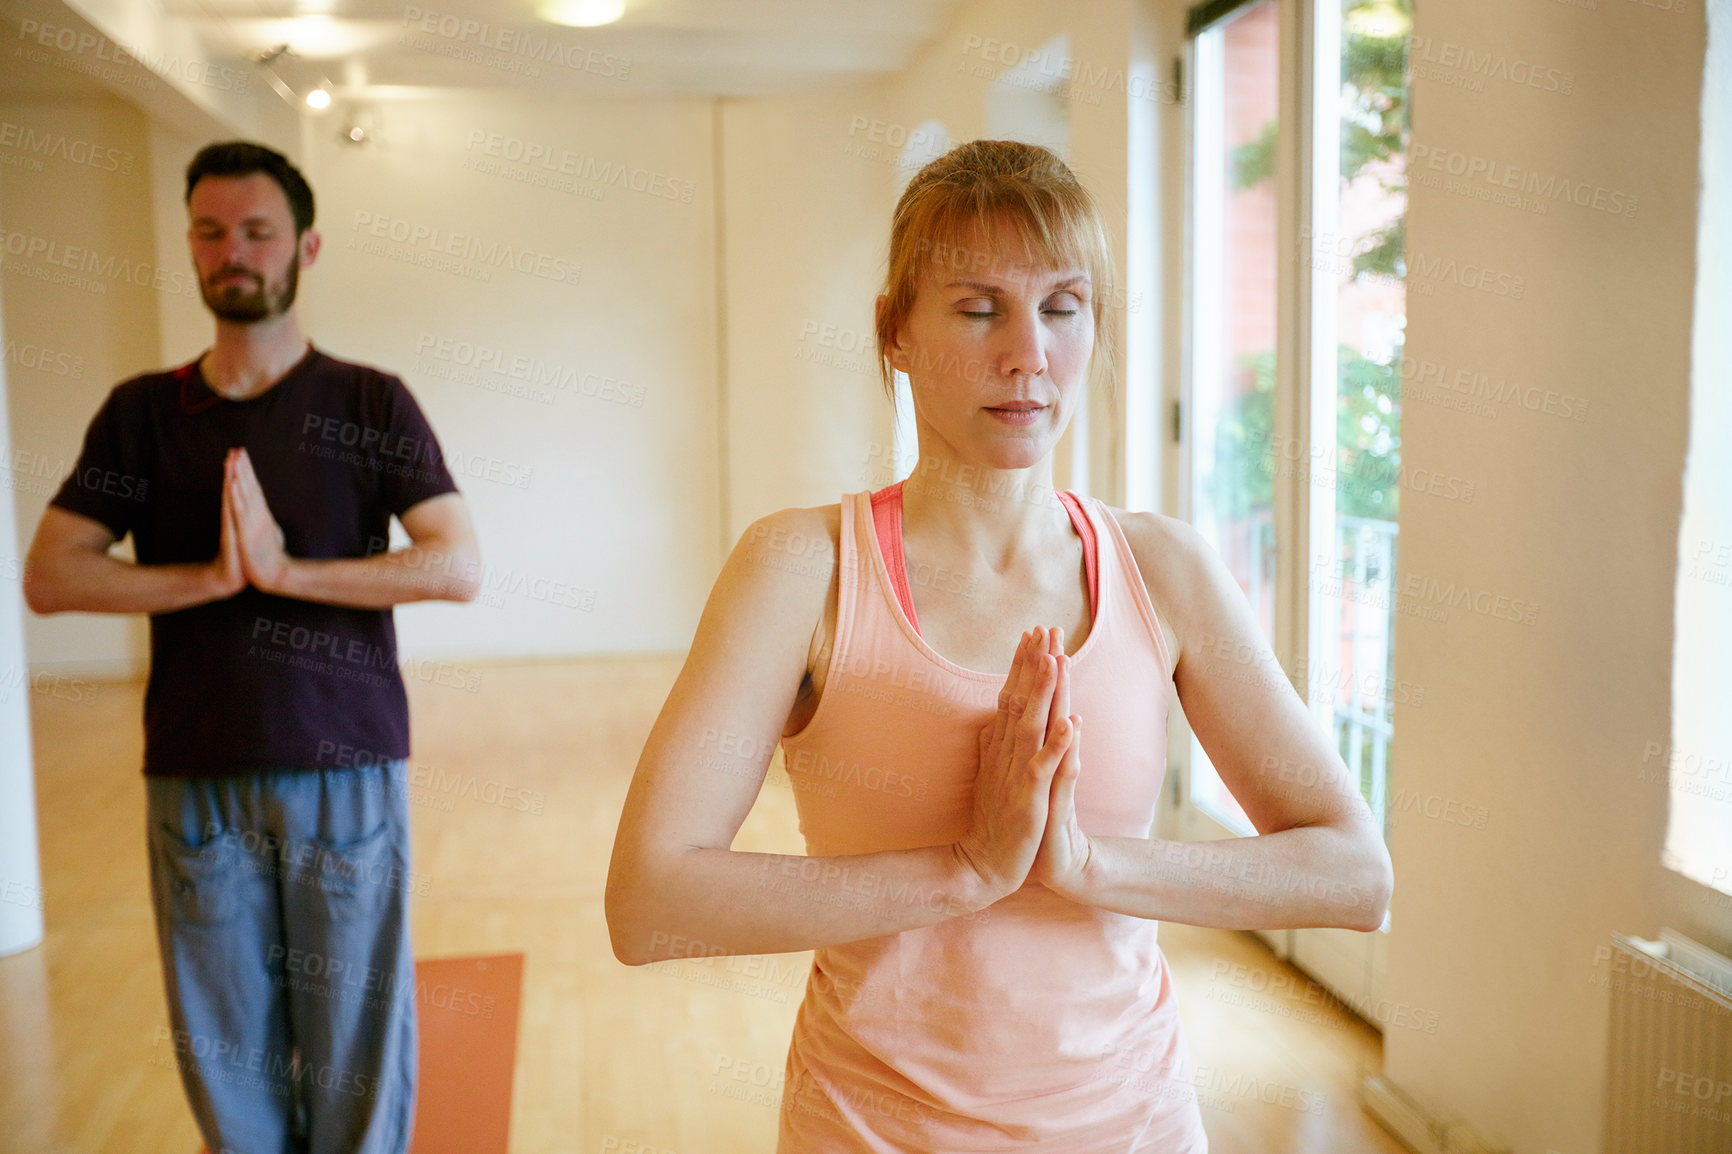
(69, 569)
(442, 562)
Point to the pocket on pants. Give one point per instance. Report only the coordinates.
(351, 879)
(200, 878)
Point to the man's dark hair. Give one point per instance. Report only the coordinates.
(243, 158)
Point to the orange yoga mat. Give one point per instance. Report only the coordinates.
(468, 1022)
(467, 1011)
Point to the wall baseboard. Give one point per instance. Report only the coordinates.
(1409, 1123)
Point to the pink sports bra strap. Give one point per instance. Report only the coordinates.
(887, 523)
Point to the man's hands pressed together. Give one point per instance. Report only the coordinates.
(252, 541)
(442, 560)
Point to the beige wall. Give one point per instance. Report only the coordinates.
(596, 509)
(810, 187)
(574, 393)
(622, 492)
(71, 333)
(1088, 52)
(1544, 725)
(804, 258)
(183, 323)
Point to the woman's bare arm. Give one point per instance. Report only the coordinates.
(676, 887)
(1318, 858)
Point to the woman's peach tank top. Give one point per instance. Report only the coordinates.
(1036, 1022)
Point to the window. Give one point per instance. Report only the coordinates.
(1234, 268)
(1698, 758)
(1312, 449)
(1358, 324)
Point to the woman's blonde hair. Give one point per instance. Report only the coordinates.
(974, 184)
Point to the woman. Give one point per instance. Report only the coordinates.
(981, 891)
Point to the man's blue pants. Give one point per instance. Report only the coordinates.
(282, 911)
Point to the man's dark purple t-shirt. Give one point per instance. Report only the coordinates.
(256, 681)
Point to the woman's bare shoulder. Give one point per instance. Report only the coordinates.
(780, 566)
(794, 551)
(814, 532)
(1169, 552)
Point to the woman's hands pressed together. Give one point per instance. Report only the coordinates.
(1024, 822)
(1065, 849)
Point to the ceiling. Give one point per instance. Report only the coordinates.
(659, 47)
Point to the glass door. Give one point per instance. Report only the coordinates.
(1234, 266)
(1354, 251)
(1297, 306)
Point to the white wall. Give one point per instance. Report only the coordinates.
(585, 500)
(806, 234)
(73, 332)
(183, 323)
(1091, 55)
(810, 187)
(596, 524)
(1545, 725)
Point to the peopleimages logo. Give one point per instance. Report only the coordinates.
(437, 241)
(42, 359)
(1481, 65)
(533, 370)
(57, 254)
(1487, 174)
(521, 48)
(72, 42)
(58, 146)
(582, 166)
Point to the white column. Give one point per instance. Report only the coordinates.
(20, 872)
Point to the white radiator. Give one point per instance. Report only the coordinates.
(1669, 1059)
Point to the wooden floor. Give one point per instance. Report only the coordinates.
(679, 1058)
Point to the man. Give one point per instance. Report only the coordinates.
(258, 483)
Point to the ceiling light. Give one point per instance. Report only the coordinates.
(318, 99)
(317, 35)
(582, 13)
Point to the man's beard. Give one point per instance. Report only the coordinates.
(231, 302)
